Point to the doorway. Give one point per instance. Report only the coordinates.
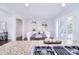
(19, 26)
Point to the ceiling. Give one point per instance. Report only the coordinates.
(35, 10)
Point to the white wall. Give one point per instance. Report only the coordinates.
(28, 25)
(76, 25)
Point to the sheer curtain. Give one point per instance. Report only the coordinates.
(8, 24)
(65, 28)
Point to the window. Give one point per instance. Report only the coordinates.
(65, 28)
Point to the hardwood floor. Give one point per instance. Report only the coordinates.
(20, 39)
(25, 39)
(2, 42)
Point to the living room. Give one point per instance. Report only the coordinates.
(26, 25)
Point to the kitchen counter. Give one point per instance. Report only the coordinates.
(25, 47)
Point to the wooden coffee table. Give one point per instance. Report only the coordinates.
(52, 41)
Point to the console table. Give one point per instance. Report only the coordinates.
(4, 36)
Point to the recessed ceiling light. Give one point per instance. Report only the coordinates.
(63, 4)
(26, 4)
